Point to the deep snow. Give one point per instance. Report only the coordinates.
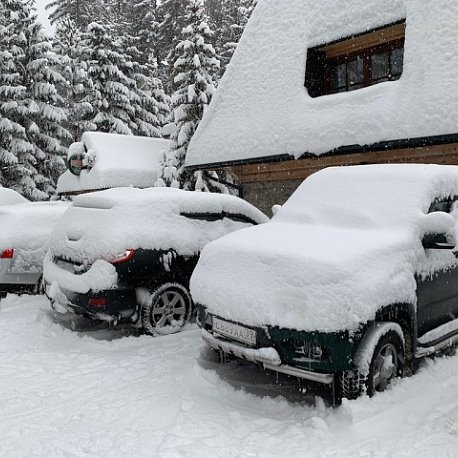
(73, 394)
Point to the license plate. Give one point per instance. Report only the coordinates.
(234, 331)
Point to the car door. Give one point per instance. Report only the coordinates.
(437, 293)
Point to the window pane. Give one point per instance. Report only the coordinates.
(397, 58)
(379, 65)
(338, 76)
(355, 71)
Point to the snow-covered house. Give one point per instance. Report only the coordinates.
(102, 161)
(333, 82)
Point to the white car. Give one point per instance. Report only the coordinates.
(24, 241)
(11, 197)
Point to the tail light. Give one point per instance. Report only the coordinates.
(97, 303)
(123, 257)
(7, 254)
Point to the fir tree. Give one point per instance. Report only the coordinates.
(122, 93)
(73, 67)
(193, 78)
(31, 116)
(173, 14)
(81, 12)
(13, 141)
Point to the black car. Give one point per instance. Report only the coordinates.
(352, 281)
(126, 255)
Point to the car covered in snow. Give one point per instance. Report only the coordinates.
(25, 230)
(11, 197)
(126, 254)
(353, 280)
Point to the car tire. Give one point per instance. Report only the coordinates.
(165, 309)
(386, 363)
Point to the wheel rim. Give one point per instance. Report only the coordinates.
(385, 366)
(169, 309)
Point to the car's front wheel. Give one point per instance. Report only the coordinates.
(166, 309)
(378, 361)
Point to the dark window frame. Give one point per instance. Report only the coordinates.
(322, 59)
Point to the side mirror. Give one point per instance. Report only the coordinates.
(439, 232)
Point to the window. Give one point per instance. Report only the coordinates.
(356, 62)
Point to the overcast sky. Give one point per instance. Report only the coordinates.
(43, 15)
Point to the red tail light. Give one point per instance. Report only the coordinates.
(7, 254)
(123, 257)
(97, 303)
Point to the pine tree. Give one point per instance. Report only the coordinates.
(73, 67)
(122, 94)
(236, 14)
(81, 12)
(32, 106)
(173, 14)
(193, 78)
(13, 141)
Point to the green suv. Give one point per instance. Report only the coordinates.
(353, 280)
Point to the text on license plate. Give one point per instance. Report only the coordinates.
(234, 331)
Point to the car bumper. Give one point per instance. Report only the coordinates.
(267, 357)
(120, 304)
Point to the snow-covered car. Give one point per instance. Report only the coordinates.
(25, 230)
(11, 197)
(126, 255)
(353, 280)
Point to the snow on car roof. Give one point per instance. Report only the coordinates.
(9, 197)
(119, 160)
(347, 243)
(381, 195)
(29, 225)
(104, 223)
(262, 109)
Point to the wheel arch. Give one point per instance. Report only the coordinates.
(404, 315)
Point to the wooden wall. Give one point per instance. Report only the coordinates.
(272, 183)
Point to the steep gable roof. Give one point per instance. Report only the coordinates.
(262, 108)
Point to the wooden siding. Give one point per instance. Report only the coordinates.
(302, 168)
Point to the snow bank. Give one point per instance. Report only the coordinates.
(101, 225)
(10, 197)
(345, 244)
(119, 160)
(89, 394)
(262, 108)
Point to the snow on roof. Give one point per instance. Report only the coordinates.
(262, 108)
(9, 197)
(328, 260)
(119, 160)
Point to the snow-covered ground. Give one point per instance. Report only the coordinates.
(113, 394)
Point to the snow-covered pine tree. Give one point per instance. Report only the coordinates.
(235, 17)
(194, 70)
(81, 12)
(32, 103)
(13, 141)
(112, 91)
(173, 15)
(138, 36)
(46, 116)
(71, 64)
(122, 93)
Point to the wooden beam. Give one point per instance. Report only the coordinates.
(302, 168)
